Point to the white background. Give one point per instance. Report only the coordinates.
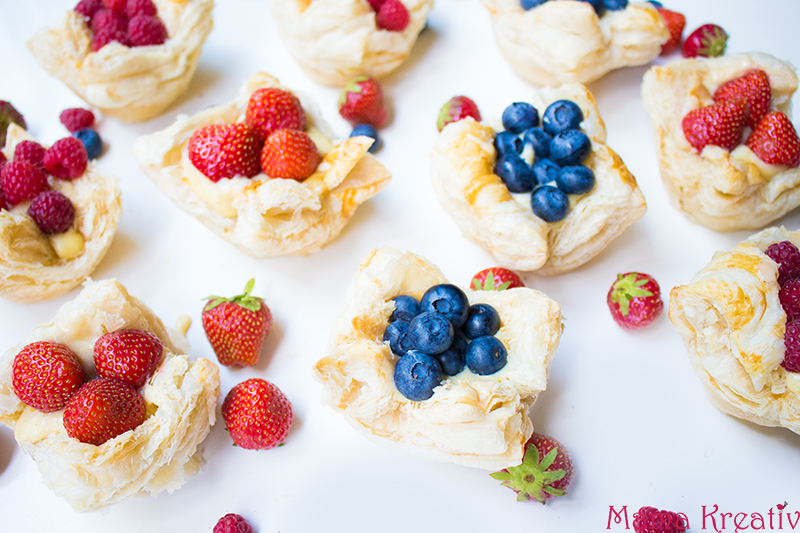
(627, 405)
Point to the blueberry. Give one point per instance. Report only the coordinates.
(615, 5)
(486, 355)
(528, 4)
(506, 142)
(575, 180)
(430, 332)
(515, 173)
(395, 332)
(520, 116)
(570, 147)
(448, 300)
(544, 171)
(656, 4)
(482, 320)
(562, 115)
(91, 141)
(598, 6)
(453, 359)
(366, 130)
(539, 140)
(549, 203)
(405, 308)
(416, 375)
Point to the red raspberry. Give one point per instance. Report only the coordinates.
(52, 211)
(790, 299)
(144, 30)
(76, 118)
(376, 4)
(233, 523)
(45, 375)
(2, 196)
(88, 8)
(787, 256)
(791, 342)
(651, 520)
(22, 181)
(66, 159)
(107, 20)
(392, 16)
(140, 7)
(108, 36)
(116, 5)
(30, 151)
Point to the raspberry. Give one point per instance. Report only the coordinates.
(76, 118)
(392, 16)
(107, 20)
(144, 30)
(66, 159)
(651, 520)
(52, 211)
(233, 523)
(789, 296)
(22, 181)
(140, 7)
(30, 151)
(88, 8)
(116, 5)
(107, 36)
(787, 256)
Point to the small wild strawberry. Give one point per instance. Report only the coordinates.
(634, 300)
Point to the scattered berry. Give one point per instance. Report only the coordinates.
(787, 256)
(52, 211)
(146, 30)
(233, 523)
(105, 37)
(416, 374)
(45, 375)
(257, 414)
(718, 125)
(709, 40)
(9, 114)
(752, 87)
(545, 472)
(675, 23)
(455, 109)
(128, 355)
(791, 342)
(271, 109)
(22, 181)
(222, 151)
(289, 154)
(365, 130)
(103, 409)
(66, 159)
(634, 300)
(88, 8)
(109, 21)
(775, 140)
(76, 118)
(361, 102)
(140, 7)
(30, 151)
(392, 16)
(495, 279)
(91, 142)
(651, 520)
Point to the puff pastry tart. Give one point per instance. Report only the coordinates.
(35, 266)
(265, 216)
(180, 398)
(473, 420)
(335, 41)
(722, 189)
(133, 84)
(463, 174)
(732, 324)
(564, 41)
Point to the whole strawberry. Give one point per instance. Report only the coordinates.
(222, 151)
(775, 140)
(103, 409)
(753, 87)
(45, 375)
(495, 279)
(675, 23)
(455, 109)
(361, 102)
(257, 414)
(129, 355)
(236, 327)
(651, 520)
(634, 300)
(718, 125)
(545, 472)
(289, 154)
(233, 523)
(271, 109)
(709, 40)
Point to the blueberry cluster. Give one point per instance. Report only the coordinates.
(545, 160)
(600, 6)
(440, 335)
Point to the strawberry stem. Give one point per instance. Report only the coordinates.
(626, 289)
(251, 303)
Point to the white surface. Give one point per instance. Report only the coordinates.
(627, 405)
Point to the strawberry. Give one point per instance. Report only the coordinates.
(709, 40)
(289, 154)
(361, 102)
(675, 23)
(225, 150)
(236, 327)
(455, 109)
(634, 300)
(45, 375)
(495, 279)
(719, 125)
(545, 472)
(752, 86)
(270, 109)
(129, 355)
(103, 409)
(651, 520)
(257, 414)
(392, 16)
(775, 140)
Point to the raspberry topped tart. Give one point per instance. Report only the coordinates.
(263, 172)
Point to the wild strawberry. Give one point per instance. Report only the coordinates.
(233, 523)
(361, 102)
(791, 343)
(455, 109)
(222, 151)
(105, 37)
(709, 40)
(634, 300)
(129, 355)
(22, 181)
(753, 86)
(675, 23)
(545, 472)
(146, 30)
(30, 151)
(103, 409)
(651, 520)
(257, 414)
(52, 211)
(140, 7)
(76, 118)
(236, 327)
(271, 109)
(9, 114)
(66, 159)
(719, 125)
(775, 140)
(108, 20)
(45, 375)
(289, 154)
(495, 279)
(88, 8)
(392, 16)
(787, 255)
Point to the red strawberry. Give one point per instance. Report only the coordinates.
(223, 151)
(361, 102)
(651, 520)
(495, 279)
(545, 472)
(719, 125)
(103, 409)
(236, 327)
(233, 523)
(455, 109)
(257, 414)
(45, 375)
(709, 40)
(775, 140)
(634, 300)
(270, 109)
(753, 86)
(392, 16)
(675, 23)
(289, 154)
(129, 355)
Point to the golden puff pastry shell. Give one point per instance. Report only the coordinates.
(335, 41)
(714, 188)
(565, 41)
(30, 269)
(271, 217)
(158, 455)
(479, 421)
(732, 324)
(133, 84)
(462, 171)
